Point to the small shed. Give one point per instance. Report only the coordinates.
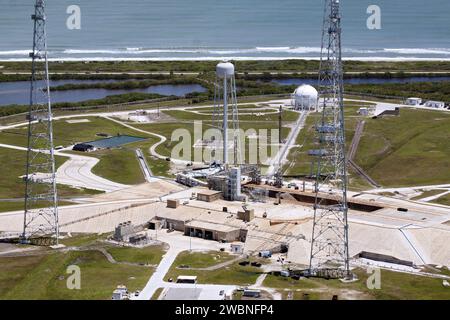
(208, 195)
(413, 101)
(435, 104)
(253, 293)
(237, 248)
(363, 111)
(187, 279)
(173, 203)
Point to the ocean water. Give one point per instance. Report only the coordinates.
(215, 29)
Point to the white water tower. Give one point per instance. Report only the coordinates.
(225, 102)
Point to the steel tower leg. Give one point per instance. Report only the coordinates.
(41, 206)
(329, 244)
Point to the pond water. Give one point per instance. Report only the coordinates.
(18, 92)
(113, 142)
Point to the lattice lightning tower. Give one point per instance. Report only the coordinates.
(41, 207)
(329, 245)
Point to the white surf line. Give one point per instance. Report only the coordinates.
(77, 172)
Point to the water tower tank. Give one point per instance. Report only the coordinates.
(225, 70)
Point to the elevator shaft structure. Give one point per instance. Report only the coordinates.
(225, 102)
(41, 207)
(329, 246)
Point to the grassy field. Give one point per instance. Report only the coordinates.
(232, 274)
(280, 282)
(256, 116)
(110, 160)
(445, 200)
(202, 259)
(412, 149)
(426, 194)
(299, 161)
(66, 133)
(157, 294)
(148, 255)
(394, 286)
(11, 186)
(166, 129)
(391, 149)
(43, 275)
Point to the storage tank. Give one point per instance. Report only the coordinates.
(305, 97)
(225, 69)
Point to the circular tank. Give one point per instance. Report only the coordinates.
(305, 97)
(225, 70)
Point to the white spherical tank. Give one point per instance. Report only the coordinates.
(225, 70)
(305, 97)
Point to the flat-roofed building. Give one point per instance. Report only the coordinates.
(187, 279)
(212, 231)
(413, 101)
(435, 104)
(173, 203)
(208, 195)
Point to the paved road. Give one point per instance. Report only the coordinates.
(283, 152)
(178, 243)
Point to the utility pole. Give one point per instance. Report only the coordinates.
(41, 205)
(280, 122)
(329, 245)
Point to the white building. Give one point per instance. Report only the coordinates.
(363, 111)
(413, 101)
(435, 104)
(237, 248)
(305, 98)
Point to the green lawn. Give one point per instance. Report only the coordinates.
(11, 186)
(280, 282)
(148, 255)
(157, 294)
(166, 129)
(394, 286)
(44, 277)
(445, 200)
(287, 115)
(232, 274)
(66, 133)
(6, 206)
(83, 239)
(428, 193)
(119, 165)
(110, 160)
(195, 259)
(411, 149)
